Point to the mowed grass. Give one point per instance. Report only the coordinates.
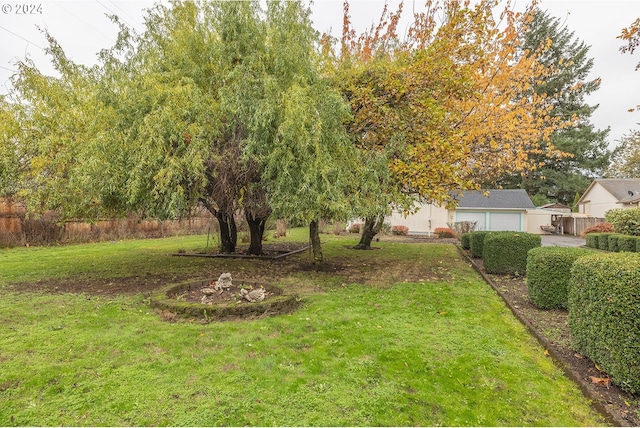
(405, 335)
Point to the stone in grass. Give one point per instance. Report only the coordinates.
(256, 295)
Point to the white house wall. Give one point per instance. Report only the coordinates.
(430, 217)
(423, 222)
(598, 201)
(538, 218)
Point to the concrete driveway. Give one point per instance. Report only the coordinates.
(562, 241)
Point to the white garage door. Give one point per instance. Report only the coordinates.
(505, 221)
(477, 217)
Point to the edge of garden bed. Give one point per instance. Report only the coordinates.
(556, 357)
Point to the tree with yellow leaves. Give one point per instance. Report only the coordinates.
(449, 105)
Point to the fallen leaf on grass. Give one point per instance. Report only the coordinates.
(546, 352)
(605, 381)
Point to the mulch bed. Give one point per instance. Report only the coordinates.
(551, 329)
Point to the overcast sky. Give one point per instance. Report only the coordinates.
(82, 29)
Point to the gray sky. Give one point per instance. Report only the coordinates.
(82, 29)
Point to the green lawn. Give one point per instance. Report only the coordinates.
(405, 335)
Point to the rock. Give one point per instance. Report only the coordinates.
(223, 282)
(256, 295)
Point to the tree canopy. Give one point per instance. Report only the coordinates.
(625, 159)
(449, 106)
(218, 103)
(242, 108)
(566, 88)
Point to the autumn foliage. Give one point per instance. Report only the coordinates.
(451, 102)
(603, 227)
(444, 232)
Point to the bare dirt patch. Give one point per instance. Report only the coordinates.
(269, 251)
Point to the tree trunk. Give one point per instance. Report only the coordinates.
(228, 233)
(228, 230)
(370, 229)
(314, 237)
(256, 231)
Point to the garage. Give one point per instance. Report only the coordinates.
(505, 221)
(501, 209)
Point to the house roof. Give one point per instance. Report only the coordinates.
(496, 199)
(625, 190)
(555, 205)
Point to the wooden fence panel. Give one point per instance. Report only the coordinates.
(576, 225)
(17, 229)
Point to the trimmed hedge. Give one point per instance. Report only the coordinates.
(477, 243)
(613, 242)
(592, 240)
(603, 241)
(627, 243)
(604, 314)
(465, 241)
(549, 274)
(506, 252)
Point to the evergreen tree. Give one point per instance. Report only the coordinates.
(566, 57)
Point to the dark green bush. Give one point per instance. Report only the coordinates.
(465, 241)
(604, 314)
(592, 240)
(549, 274)
(603, 241)
(627, 243)
(506, 252)
(613, 242)
(476, 244)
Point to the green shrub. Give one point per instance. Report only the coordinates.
(549, 274)
(613, 242)
(627, 243)
(477, 243)
(592, 240)
(625, 221)
(506, 252)
(604, 314)
(603, 241)
(465, 241)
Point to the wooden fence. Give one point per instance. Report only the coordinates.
(576, 225)
(18, 229)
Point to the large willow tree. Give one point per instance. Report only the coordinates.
(214, 103)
